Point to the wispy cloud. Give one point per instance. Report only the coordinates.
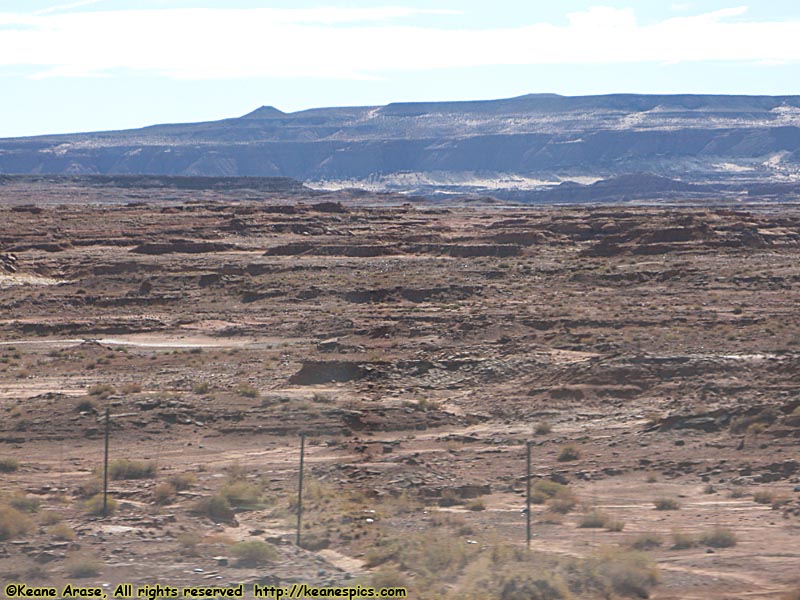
(62, 7)
(368, 42)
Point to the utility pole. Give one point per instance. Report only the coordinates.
(105, 468)
(528, 495)
(300, 487)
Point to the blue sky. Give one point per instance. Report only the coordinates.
(73, 65)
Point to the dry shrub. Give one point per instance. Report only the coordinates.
(475, 505)
(247, 391)
(627, 573)
(683, 541)
(79, 566)
(182, 481)
(615, 525)
(534, 586)
(666, 504)
(516, 574)
(90, 488)
(545, 490)
(561, 505)
(102, 390)
(86, 405)
(62, 532)
(131, 469)
(646, 541)
(449, 498)
(94, 506)
(201, 388)
(49, 517)
(13, 523)
(24, 503)
(216, 507)
(433, 556)
(765, 496)
(737, 492)
(164, 493)
(253, 553)
(763, 418)
(188, 542)
(594, 520)
(719, 538)
(242, 495)
(8, 465)
(568, 453)
(388, 577)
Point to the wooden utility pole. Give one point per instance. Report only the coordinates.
(528, 495)
(300, 487)
(105, 468)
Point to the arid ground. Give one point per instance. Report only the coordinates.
(651, 356)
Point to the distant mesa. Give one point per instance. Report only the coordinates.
(522, 148)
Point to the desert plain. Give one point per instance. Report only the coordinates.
(649, 357)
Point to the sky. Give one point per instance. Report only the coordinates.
(92, 65)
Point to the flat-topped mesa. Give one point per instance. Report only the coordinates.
(494, 148)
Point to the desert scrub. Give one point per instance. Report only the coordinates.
(666, 504)
(215, 507)
(449, 498)
(561, 505)
(627, 573)
(61, 532)
(181, 481)
(545, 490)
(538, 585)
(247, 391)
(90, 488)
(94, 506)
(764, 497)
(13, 523)
(164, 493)
(737, 492)
(80, 566)
(744, 423)
(24, 503)
(475, 505)
(253, 553)
(86, 405)
(568, 453)
(682, 541)
(242, 495)
(102, 390)
(201, 388)
(188, 542)
(646, 541)
(542, 428)
(388, 577)
(131, 469)
(434, 557)
(594, 520)
(49, 517)
(615, 525)
(8, 465)
(719, 538)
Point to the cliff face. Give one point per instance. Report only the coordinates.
(516, 144)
